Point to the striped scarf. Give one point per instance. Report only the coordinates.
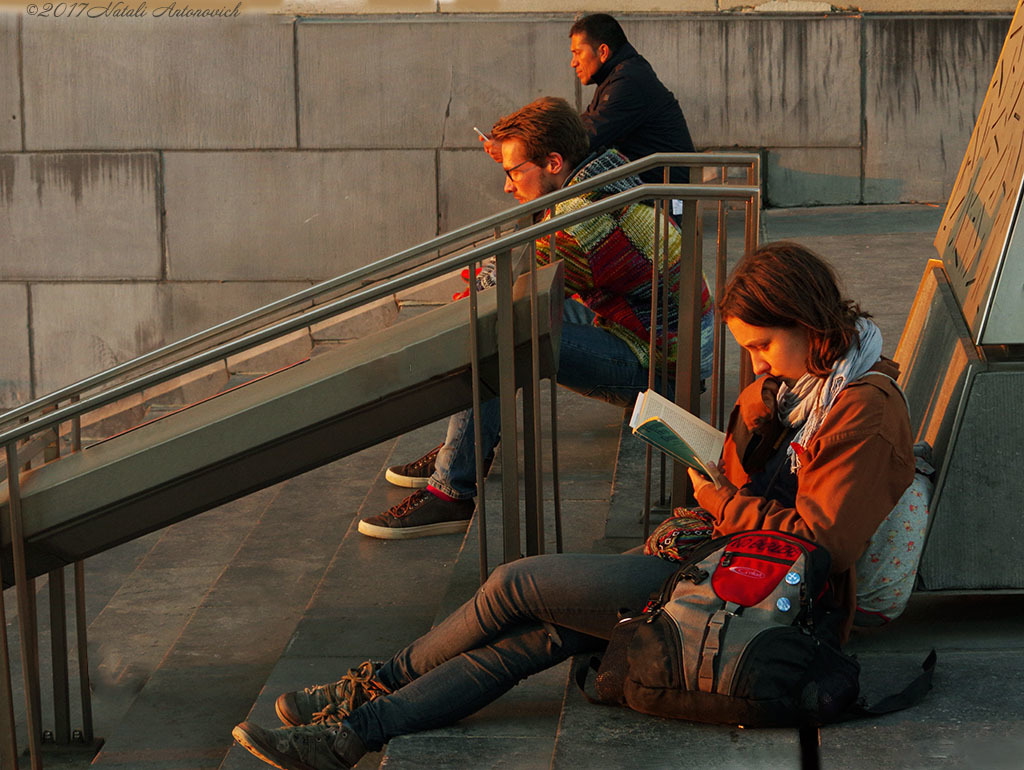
(806, 405)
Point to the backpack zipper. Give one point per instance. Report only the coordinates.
(727, 558)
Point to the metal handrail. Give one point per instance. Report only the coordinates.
(322, 312)
(658, 160)
(412, 267)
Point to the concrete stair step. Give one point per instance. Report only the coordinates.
(280, 541)
(609, 737)
(374, 597)
(140, 596)
(519, 730)
(108, 578)
(516, 731)
(146, 616)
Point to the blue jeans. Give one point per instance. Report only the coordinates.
(591, 361)
(529, 615)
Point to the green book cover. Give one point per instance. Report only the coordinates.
(676, 432)
(664, 438)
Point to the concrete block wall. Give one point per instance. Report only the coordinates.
(158, 175)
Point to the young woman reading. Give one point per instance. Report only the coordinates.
(818, 446)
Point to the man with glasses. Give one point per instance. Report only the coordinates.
(604, 344)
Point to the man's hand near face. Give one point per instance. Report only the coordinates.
(493, 148)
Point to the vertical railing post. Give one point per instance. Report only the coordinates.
(59, 639)
(688, 333)
(556, 494)
(8, 734)
(59, 658)
(652, 351)
(33, 608)
(474, 368)
(666, 288)
(81, 621)
(83, 654)
(750, 236)
(26, 615)
(718, 345)
(512, 548)
(532, 461)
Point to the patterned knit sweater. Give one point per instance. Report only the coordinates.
(607, 262)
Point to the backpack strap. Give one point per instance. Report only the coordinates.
(909, 696)
(710, 649)
(891, 379)
(582, 667)
(611, 666)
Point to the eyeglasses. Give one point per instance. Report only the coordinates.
(508, 171)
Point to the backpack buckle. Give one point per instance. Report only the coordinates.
(695, 575)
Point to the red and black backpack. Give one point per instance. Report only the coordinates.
(745, 632)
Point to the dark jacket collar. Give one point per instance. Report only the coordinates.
(627, 51)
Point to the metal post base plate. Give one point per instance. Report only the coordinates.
(76, 747)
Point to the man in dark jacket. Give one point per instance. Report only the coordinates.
(631, 110)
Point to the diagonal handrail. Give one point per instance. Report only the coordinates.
(390, 286)
(359, 275)
(361, 286)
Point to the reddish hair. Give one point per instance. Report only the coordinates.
(785, 285)
(546, 125)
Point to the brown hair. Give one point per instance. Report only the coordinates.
(785, 285)
(544, 126)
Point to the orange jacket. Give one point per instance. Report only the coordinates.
(853, 471)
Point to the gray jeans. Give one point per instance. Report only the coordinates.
(529, 615)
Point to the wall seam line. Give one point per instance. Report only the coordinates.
(437, 189)
(31, 345)
(161, 213)
(863, 111)
(21, 82)
(295, 77)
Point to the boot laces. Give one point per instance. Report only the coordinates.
(355, 688)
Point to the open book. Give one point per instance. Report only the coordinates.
(676, 432)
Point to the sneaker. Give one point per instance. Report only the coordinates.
(311, 747)
(414, 475)
(330, 703)
(420, 514)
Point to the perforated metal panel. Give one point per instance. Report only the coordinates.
(972, 413)
(977, 523)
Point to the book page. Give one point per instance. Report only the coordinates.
(704, 440)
